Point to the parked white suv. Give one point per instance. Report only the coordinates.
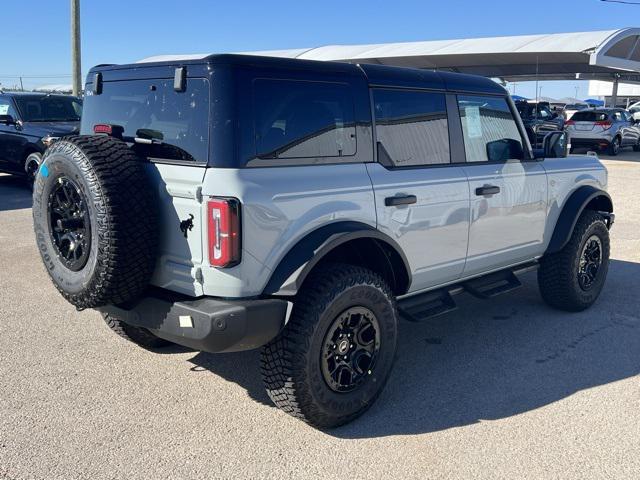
(235, 202)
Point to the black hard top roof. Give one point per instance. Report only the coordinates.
(378, 75)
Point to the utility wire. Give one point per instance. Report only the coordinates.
(35, 76)
(626, 2)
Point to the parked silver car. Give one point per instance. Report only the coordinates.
(607, 129)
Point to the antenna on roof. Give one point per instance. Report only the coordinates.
(537, 99)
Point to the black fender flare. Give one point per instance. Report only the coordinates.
(571, 211)
(295, 266)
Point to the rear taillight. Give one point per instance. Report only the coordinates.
(604, 124)
(569, 123)
(224, 232)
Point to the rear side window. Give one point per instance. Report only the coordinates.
(590, 116)
(175, 125)
(489, 129)
(303, 119)
(412, 127)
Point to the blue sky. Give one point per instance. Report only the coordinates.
(36, 32)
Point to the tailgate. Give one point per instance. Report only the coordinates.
(584, 126)
(180, 256)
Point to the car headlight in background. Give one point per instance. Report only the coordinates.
(48, 140)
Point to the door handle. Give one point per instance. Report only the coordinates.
(403, 200)
(487, 190)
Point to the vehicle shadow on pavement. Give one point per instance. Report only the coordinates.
(14, 193)
(625, 155)
(488, 360)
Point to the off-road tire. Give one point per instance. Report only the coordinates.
(121, 211)
(137, 335)
(558, 273)
(290, 364)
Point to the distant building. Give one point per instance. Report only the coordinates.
(54, 88)
(628, 93)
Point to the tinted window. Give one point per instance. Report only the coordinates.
(176, 122)
(412, 127)
(298, 119)
(489, 129)
(529, 111)
(589, 116)
(6, 108)
(55, 108)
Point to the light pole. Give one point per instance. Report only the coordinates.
(76, 67)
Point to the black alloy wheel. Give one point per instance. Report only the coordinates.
(350, 349)
(590, 262)
(70, 226)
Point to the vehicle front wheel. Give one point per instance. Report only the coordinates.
(31, 165)
(333, 358)
(572, 278)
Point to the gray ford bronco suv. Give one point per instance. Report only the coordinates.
(233, 202)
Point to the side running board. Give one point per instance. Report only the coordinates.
(426, 305)
(493, 284)
(437, 302)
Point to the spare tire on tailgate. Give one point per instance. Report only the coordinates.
(95, 220)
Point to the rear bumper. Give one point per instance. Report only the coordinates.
(207, 324)
(601, 142)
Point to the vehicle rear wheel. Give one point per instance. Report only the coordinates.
(573, 278)
(95, 219)
(137, 335)
(333, 358)
(614, 147)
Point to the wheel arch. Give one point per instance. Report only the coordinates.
(349, 242)
(584, 198)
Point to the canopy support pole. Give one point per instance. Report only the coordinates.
(614, 92)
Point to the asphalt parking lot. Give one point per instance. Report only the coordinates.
(502, 389)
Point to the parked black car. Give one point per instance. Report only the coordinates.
(539, 120)
(29, 123)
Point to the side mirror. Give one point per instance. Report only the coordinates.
(504, 149)
(7, 120)
(554, 145)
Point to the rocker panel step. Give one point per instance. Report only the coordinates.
(426, 305)
(493, 284)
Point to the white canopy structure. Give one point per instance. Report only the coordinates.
(610, 55)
